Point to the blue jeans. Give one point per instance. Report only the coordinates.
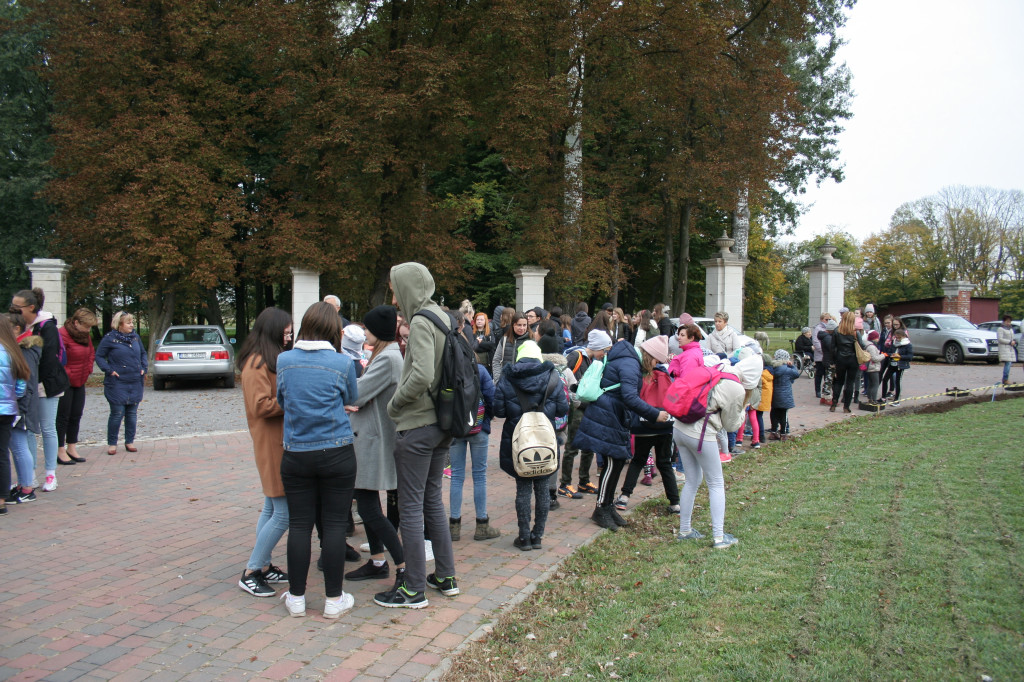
(269, 529)
(1006, 371)
(130, 415)
(23, 450)
(478, 454)
(48, 425)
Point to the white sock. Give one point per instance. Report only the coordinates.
(51, 472)
(377, 563)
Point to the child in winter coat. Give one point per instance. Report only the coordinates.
(874, 367)
(26, 428)
(899, 361)
(531, 376)
(767, 392)
(782, 393)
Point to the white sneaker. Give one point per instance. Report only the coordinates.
(296, 605)
(356, 518)
(365, 547)
(51, 483)
(428, 550)
(680, 477)
(335, 607)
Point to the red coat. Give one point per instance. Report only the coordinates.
(80, 359)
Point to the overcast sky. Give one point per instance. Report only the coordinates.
(939, 100)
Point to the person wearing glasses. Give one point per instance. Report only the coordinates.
(51, 373)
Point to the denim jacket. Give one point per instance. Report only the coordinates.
(314, 383)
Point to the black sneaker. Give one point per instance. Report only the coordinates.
(448, 586)
(351, 554)
(12, 496)
(255, 584)
(536, 542)
(553, 503)
(368, 572)
(274, 575)
(399, 597)
(30, 496)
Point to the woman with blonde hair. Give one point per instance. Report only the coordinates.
(122, 357)
(845, 356)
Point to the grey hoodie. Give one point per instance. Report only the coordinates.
(412, 407)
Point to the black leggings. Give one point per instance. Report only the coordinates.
(892, 380)
(662, 444)
(610, 480)
(69, 414)
(318, 480)
(846, 376)
(379, 531)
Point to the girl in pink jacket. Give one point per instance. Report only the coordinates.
(692, 355)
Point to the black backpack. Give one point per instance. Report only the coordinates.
(458, 393)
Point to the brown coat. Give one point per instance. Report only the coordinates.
(266, 424)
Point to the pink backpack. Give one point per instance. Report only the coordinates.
(687, 397)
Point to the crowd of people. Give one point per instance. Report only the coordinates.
(43, 371)
(346, 413)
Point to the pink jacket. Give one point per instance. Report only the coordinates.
(691, 357)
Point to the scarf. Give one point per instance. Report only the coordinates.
(121, 337)
(79, 337)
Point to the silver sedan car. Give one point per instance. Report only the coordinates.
(193, 352)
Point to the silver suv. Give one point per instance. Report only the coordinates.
(936, 335)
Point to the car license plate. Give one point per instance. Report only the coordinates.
(191, 356)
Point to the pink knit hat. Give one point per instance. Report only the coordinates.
(685, 319)
(657, 348)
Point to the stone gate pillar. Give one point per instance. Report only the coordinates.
(51, 275)
(305, 292)
(724, 282)
(529, 287)
(956, 298)
(827, 284)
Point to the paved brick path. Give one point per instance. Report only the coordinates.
(128, 571)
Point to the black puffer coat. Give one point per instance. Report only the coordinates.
(605, 425)
(531, 377)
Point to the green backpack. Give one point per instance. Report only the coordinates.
(589, 389)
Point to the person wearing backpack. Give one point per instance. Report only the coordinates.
(701, 458)
(51, 373)
(578, 362)
(652, 435)
(421, 447)
(605, 426)
(530, 382)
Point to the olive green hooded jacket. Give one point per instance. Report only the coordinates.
(412, 406)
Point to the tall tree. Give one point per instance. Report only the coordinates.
(25, 149)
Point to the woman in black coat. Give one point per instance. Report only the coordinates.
(533, 378)
(605, 426)
(844, 351)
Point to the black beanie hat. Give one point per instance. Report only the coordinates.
(550, 344)
(382, 322)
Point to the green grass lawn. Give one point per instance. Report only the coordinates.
(887, 549)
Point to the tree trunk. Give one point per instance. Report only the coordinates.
(741, 224)
(212, 309)
(683, 265)
(616, 267)
(669, 207)
(161, 312)
(241, 310)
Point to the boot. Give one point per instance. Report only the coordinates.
(614, 515)
(455, 526)
(484, 530)
(603, 519)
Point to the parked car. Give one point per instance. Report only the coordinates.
(707, 324)
(993, 326)
(193, 352)
(936, 335)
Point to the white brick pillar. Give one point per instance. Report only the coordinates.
(51, 275)
(305, 292)
(529, 287)
(827, 284)
(724, 283)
